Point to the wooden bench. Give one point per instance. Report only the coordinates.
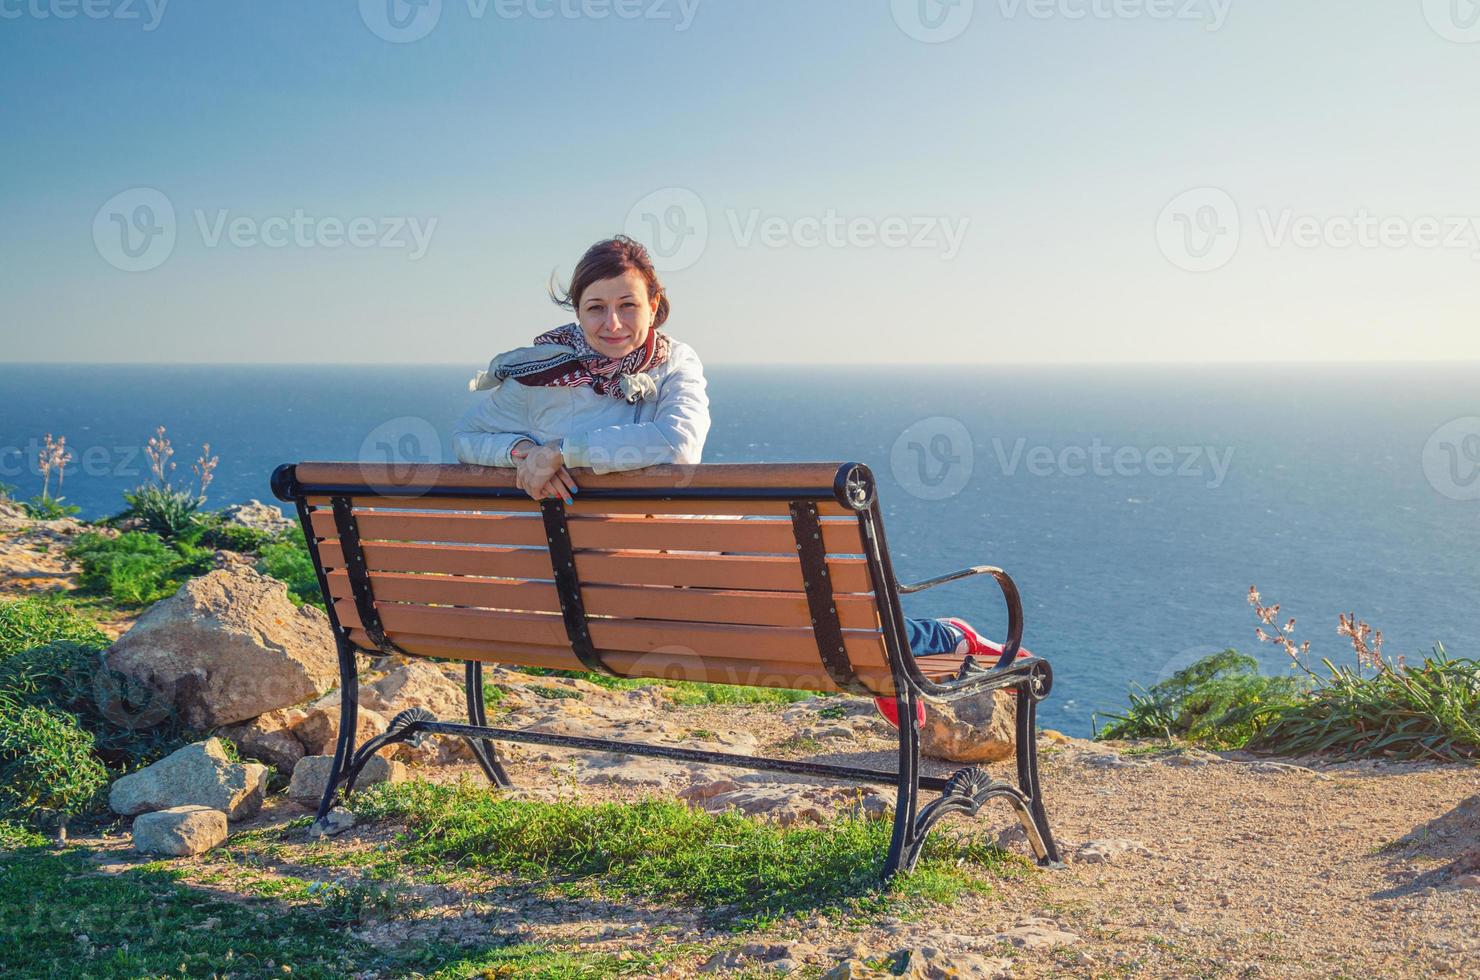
(642, 577)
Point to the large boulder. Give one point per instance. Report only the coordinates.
(973, 729)
(198, 774)
(229, 646)
(180, 831)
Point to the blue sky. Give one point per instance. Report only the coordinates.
(874, 181)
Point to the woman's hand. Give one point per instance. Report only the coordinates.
(541, 472)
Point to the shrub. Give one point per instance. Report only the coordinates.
(51, 658)
(158, 505)
(7, 491)
(46, 763)
(289, 562)
(1220, 702)
(215, 533)
(1429, 711)
(163, 510)
(136, 568)
(46, 508)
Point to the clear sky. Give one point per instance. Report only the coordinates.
(876, 181)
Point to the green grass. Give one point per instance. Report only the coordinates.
(27, 623)
(743, 871)
(289, 562)
(61, 917)
(685, 693)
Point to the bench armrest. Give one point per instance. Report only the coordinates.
(1009, 589)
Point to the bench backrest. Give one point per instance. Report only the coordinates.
(729, 573)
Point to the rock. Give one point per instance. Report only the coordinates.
(420, 685)
(1193, 757)
(336, 821)
(974, 729)
(1106, 851)
(312, 774)
(1467, 881)
(199, 774)
(180, 831)
(269, 738)
(257, 516)
(229, 646)
(416, 685)
(318, 731)
(1034, 933)
(924, 963)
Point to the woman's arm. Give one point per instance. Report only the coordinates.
(675, 434)
(492, 427)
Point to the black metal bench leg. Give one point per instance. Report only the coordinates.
(483, 752)
(349, 714)
(1027, 769)
(904, 846)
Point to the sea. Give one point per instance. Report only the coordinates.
(1133, 505)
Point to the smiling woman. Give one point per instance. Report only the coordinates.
(610, 392)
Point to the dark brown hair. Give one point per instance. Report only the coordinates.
(606, 260)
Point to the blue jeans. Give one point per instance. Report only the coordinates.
(928, 636)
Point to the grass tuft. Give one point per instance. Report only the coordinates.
(663, 850)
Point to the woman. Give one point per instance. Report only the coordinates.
(613, 392)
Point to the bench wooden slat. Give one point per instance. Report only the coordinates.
(747, 608)
(840, 536)
(769, 643)
(709, 670)
(756, 572)
(392, 476)
(587, 506)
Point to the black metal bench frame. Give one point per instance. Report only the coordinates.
(964, 792)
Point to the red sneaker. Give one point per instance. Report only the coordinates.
(889, 708)
(977, 645)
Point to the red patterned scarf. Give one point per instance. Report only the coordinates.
(583, 365)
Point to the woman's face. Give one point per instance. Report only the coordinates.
(616, 314)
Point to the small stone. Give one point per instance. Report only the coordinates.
(1467, 881)
(312, 774)
(180, 831)
(336, 821)
(199, 774)
(1106, 851)
(1033, 933)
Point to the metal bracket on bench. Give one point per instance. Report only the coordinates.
(359, 574)
(568, 586)
(820, 602)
